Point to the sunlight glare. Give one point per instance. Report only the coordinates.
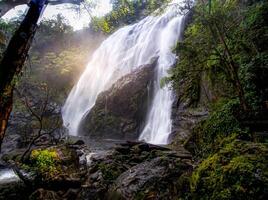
(77, 16)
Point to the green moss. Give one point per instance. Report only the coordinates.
(237, 171)
(109, 171)
(100, 120)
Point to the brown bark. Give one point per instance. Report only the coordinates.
(13, 61)
(5, 110)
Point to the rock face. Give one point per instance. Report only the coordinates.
(184, 120)
(190, 107)
(119, 113)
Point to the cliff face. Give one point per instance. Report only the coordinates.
(119, 112)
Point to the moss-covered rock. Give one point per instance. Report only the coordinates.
(238, 171)
(54, 168)
(220, 124)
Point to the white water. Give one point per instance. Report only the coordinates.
(124, 51)
(8, 175)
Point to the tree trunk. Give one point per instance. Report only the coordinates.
(14, 58)
(232, 67)
(233, 70)
(5, 110)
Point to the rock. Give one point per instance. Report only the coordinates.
(193, 97)
(154, 179)
(184, 120)
(119, 112)
(67, 171)
(129, 170)
(29, 177)
(135, 163)
(42, 194)
(10, 142)
(79, 142)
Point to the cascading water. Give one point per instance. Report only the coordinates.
(123, 52)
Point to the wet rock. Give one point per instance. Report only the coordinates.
(11, 141)
(119, 112)
(135, 163)
(79, 142)
(129, 170)
(184, 120)
(154, 179)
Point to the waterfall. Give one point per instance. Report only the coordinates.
(124, 51)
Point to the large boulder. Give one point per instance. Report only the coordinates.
(119, 112)
(159, 178)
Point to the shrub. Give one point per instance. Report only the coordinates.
(237, 171)
(45, 161)
(221, 123)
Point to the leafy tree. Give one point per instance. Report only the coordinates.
(125, 12)
(220, 43)
(17, 50)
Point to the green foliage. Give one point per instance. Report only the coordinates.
(227, 46)
(58, 69)
(52, 32)
(57, 57)
(238, 171)
(45, 161)
(221, 123)
(53, 36)
(231, 167)
(6, 30)
(125, 12)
